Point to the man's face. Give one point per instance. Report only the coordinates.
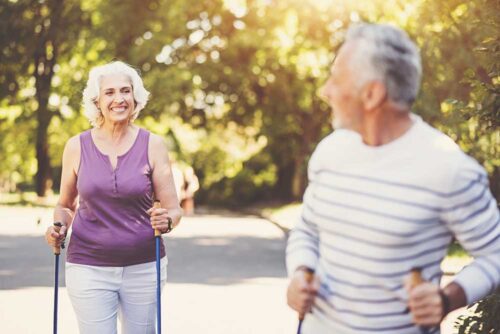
(341, 93)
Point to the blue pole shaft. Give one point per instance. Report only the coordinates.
(56, 290)
(309, 276)
(158, 289)
(299, 329)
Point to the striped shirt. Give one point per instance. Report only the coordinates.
(371, 214)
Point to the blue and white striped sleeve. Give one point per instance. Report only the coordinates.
(303, 241)
(471, 213)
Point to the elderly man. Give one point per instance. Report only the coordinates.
(387, 193)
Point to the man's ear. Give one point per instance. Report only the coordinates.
(373, 95)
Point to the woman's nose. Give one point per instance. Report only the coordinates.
(119, 98)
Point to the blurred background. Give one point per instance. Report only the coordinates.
(234, 83)
(234, 92)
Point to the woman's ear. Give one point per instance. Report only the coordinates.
(373, 95)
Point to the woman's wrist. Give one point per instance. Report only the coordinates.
(170, 226)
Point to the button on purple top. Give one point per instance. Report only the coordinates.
(111, 226)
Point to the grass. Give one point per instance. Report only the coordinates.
(455, 250)
(282, 210)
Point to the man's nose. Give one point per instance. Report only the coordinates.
(323, 93)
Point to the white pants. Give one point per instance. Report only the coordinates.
(100, 294)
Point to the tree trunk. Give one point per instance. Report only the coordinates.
(44, 116)
(298, 181)
(44, 61)
(283, 187)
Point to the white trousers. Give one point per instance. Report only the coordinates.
(101, 294)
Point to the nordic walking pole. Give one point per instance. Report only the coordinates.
(157, 205)
(309, 278)
(417, 279)
(57, 252)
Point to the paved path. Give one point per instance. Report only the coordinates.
(226, 276)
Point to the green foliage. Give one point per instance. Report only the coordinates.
(234, 83)
(253, 182)
(461, 88)
(485, 319)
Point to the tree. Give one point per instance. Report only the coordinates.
(235, 83)
(43, 32)
(461, 92)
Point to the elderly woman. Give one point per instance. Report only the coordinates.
(116, 169)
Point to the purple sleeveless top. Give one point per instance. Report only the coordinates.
(111, 226)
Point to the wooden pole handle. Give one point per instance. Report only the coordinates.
(416, 277)
(57, 249)
(309, 276)
(157, 205)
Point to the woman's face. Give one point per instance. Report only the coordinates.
(116, 98)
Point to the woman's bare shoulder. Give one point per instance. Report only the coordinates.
(157, 142)
(73, 144)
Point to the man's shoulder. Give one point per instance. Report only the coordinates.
(435, 142)
(337, 144)
(336, 140)
(439, 149)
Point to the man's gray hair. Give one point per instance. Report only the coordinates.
(386, 53)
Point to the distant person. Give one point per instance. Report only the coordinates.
(387, 193)
(116, 170)
(178, 176)
(191, 185)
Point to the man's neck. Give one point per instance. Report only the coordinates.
(383, 127)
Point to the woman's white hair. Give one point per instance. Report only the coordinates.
(91, 91)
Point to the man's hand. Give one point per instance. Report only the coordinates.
(301, 293)
(425, 303)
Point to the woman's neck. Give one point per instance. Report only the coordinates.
(114, 132)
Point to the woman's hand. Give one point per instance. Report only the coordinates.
(55, 235)
(160, 219)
